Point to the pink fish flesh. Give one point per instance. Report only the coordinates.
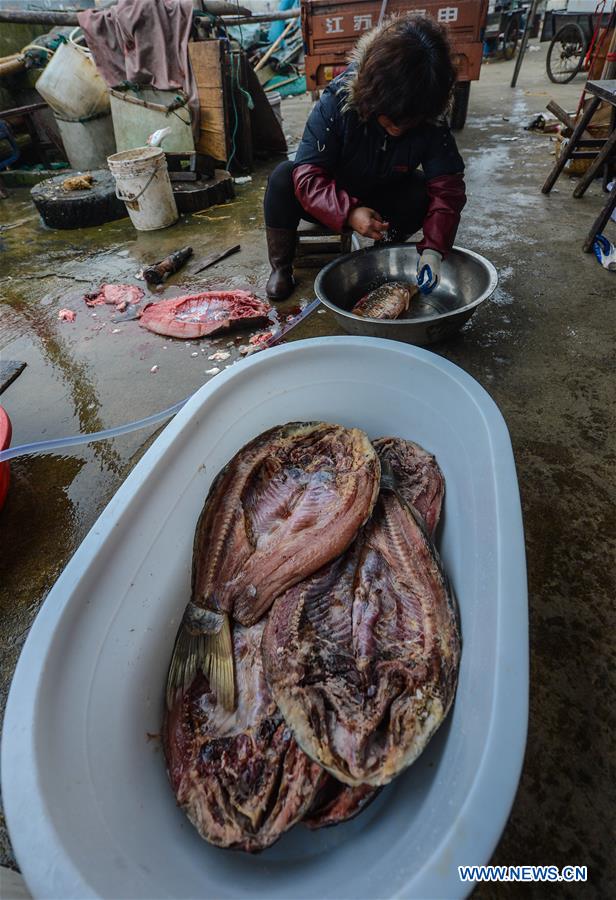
(198, 315)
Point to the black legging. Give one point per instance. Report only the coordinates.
(403, 203)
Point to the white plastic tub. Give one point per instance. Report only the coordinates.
(88, 805)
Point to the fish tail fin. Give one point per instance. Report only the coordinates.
(203, 643)
(218, 664)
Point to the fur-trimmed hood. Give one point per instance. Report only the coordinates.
(348, 80)
(356, 57)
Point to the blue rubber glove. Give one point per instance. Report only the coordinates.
(605, 252)
(428, 271)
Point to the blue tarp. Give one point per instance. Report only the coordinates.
(276, 28)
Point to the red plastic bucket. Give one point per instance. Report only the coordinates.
(5, 440)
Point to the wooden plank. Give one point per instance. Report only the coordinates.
(560, 114)
(211, 97)
(206, 61)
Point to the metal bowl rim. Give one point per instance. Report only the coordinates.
(491, 268)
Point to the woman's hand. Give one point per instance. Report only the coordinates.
(367, 222)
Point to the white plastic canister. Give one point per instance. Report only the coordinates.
(72, 85)
(142, 181)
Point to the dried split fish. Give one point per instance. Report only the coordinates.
(419, 481)
(418, 478)
(288, 503)
(336, 803)
(239, 776)
(362, 657)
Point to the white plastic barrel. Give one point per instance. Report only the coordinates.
(88, 142)
(71, 84)
(142, 181)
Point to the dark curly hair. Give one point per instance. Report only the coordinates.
(404, 71)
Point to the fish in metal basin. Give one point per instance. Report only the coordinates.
(288, 503)
(420, 482)
(362, 657)
(388, 301)
(239, 776)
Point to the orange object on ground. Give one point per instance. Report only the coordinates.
(5, 440)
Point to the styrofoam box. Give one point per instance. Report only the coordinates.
(88, 804)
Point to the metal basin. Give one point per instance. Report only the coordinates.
(467, 279)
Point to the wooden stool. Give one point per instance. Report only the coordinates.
(604, 155)
(315, 241)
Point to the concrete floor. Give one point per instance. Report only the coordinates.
(543, 347)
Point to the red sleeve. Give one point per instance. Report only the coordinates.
(446, 199)
(318, 194)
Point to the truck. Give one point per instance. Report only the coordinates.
(331, 27)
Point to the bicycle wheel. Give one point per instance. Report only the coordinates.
(566, 53)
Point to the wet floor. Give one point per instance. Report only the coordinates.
(543, 347)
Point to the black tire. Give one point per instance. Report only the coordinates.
(566, 53)
(511, 37)
(459, 109)
(78, 209)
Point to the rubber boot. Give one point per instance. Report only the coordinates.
(280, 250)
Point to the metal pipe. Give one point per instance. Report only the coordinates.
(527, 28)
(265, 17)
(41, 17)
(37, 17)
